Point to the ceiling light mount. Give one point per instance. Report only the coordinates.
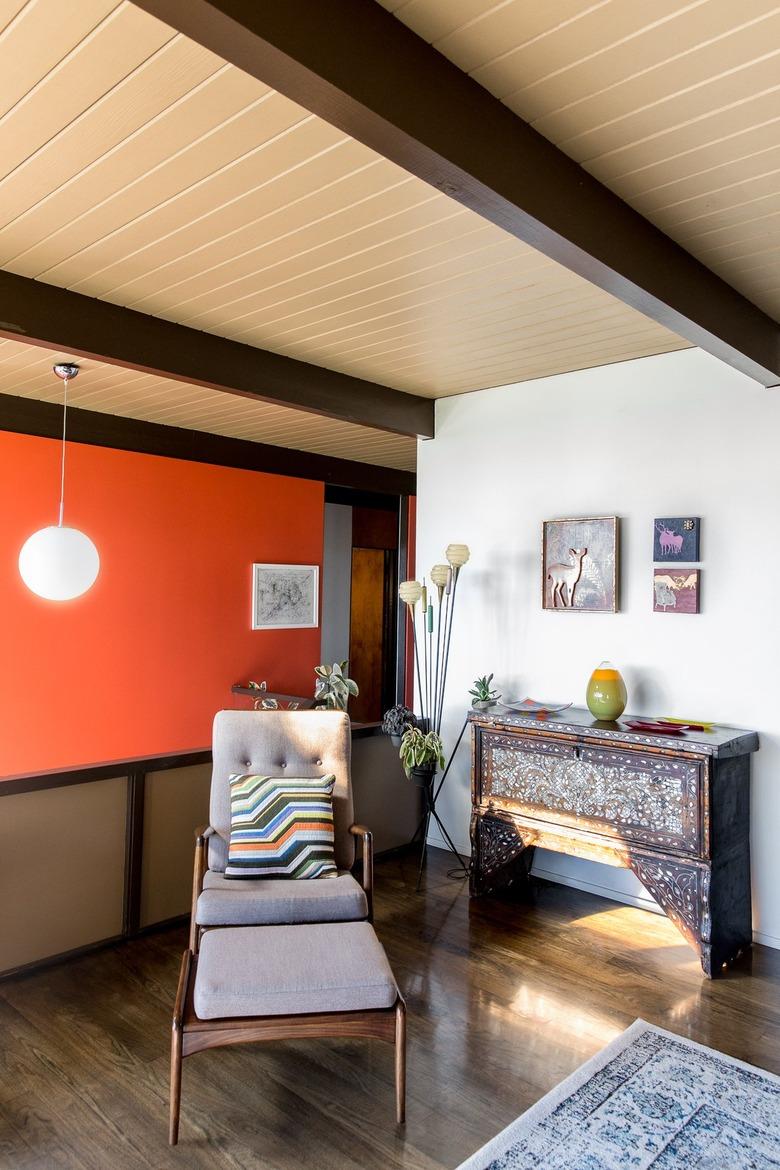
(66, 370)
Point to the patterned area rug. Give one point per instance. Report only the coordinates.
(649, 1099)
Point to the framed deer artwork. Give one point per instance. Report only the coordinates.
(676, 539)
(581, 564)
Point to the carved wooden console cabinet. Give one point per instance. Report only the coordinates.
(675, 810)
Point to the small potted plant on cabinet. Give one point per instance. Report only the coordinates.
(421, 754)
(482, 693)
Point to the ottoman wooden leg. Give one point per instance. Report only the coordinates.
(176, 1048)
(175, 1105)
(400, 1061)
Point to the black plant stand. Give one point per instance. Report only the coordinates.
(430, 790)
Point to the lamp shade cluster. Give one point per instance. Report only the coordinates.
(436, 631)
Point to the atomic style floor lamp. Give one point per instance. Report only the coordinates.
(58, 562)
(433, 611)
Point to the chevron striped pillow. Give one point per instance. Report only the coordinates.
(280, 827)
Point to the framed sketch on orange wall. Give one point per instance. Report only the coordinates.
(580, 564)
(285, 597)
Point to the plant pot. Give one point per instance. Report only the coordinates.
(395, 740)
(483, 704)
(423, 776)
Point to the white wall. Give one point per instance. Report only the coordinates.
(671, 435)
(336, 582)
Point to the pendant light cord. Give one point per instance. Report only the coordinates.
(62, 463)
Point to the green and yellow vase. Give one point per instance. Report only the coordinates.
(606, 694)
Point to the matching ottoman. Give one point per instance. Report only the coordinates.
(286, 982)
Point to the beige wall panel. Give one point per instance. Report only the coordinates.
(176, 804)
(62, 858)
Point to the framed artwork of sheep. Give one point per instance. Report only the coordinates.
(676, 590)
(581, 564)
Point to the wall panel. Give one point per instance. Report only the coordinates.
(62, 858)
(176, 803)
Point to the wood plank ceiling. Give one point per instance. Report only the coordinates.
(26, 371)
(674, 105)
(137, 167)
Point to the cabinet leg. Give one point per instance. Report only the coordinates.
(500, 857)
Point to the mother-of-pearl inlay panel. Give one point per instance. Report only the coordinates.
(642, 798)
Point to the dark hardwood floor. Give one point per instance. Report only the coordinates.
(505, 999)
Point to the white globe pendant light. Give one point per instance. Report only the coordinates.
(60, 563)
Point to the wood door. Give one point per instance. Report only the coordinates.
(367, 632)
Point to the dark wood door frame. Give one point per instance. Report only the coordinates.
(358, 67)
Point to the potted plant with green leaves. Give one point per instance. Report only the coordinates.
(422, 752)
(483, 694)
(333, 689)
(396, 720)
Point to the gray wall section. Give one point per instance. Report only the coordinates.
(336, 582)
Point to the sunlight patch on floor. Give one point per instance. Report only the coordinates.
(645, 929)
(564, 1017)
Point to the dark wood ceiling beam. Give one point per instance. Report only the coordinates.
(352, 63)
(30, 416)
(43, 314)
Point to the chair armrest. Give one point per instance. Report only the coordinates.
(368, 864)
(199, 868)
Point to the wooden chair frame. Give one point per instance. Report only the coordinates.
(201, 865)
(191, 1035)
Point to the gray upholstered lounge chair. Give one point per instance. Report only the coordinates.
(278, 743)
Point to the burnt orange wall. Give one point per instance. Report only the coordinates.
(141, 662)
